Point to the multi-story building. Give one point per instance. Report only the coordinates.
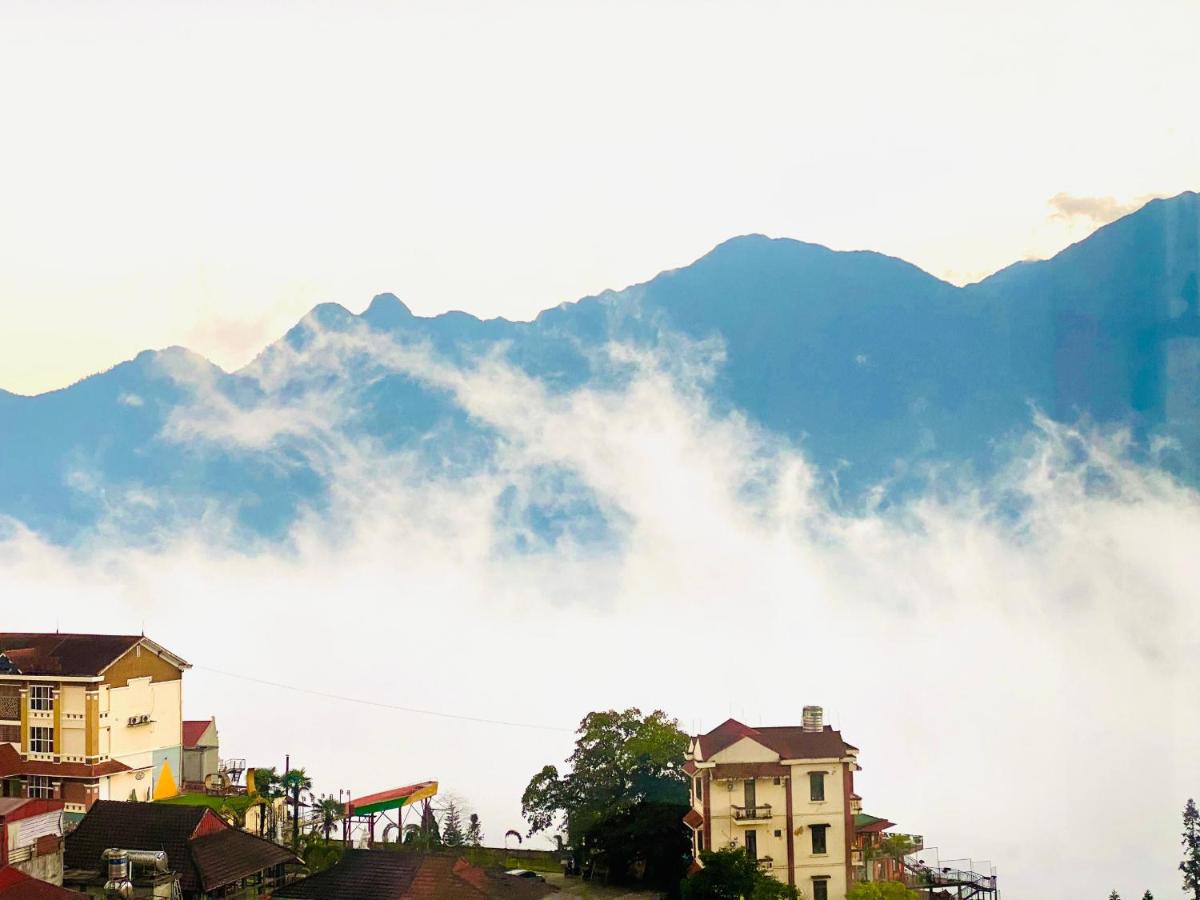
(86, 717)
(784, 794)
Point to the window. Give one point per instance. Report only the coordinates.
(818, 838)
(41, 740)
(752, 844)
(41, 697)
(39, 786)
(699, 841)
(816, 785)
(699, 788)
(750, 796)
(820, 889)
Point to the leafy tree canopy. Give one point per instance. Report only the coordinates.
(1190, 867)
(731, 875)
(623, 797)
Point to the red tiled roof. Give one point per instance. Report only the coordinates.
(11, 764)
(79, 655)
(789, 741)
(693, 819)
(193, 730)
(16, 885)
(690, 767)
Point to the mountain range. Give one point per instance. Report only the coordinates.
(872, 366)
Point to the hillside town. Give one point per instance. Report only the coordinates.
(109, 791)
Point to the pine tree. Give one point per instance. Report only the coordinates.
(452, 834)
(1114, 896)
(474, 831)
(1147, 896)
(1190, 867)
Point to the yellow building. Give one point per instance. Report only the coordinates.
(784, 794)
(86, 717)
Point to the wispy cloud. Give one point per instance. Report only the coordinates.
(1096, 210)
(988, 644)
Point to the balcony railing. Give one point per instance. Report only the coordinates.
(752, 813)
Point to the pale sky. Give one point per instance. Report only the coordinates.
(202, 174)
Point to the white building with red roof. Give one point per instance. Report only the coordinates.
(783, 794)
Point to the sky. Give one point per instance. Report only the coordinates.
(203, 175)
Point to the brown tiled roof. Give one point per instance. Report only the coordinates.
(230, 855)
(690, 768)
(80, 655)
(789, 741)
(401, 875)
(693, 819)
(200, 861)
(11, 764)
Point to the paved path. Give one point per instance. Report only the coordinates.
(577, 887)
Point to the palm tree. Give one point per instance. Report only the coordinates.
(295, 782)
(268, 786)
(327, 812)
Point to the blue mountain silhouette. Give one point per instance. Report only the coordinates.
(873, 366)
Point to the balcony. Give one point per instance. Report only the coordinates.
(752, 813)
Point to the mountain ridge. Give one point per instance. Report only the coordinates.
(874, 366)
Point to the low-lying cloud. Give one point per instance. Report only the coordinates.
(1016, 658)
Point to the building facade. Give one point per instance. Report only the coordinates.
(85, 717)
(783, 794)
(201, 753)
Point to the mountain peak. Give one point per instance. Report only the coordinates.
(387, 311)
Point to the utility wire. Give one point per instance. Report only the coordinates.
(380, 704)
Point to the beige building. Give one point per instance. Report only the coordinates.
(784, 794)
(86, 717)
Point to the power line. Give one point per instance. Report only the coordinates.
(380, 704)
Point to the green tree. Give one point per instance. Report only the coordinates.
(474, 831)
(1114, 896)
(452, 832)
(1147, 896)
(1190, 867)
(882, 890)
(268, 786)
(327, 812)
(623, 799)
(731, 875)
(295, 783)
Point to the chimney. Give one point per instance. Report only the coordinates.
(813, 718)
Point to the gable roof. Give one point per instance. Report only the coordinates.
(203, 863)
(229, 855)
(70, 655)
(400, 875)
(789, 741)
(193, 731)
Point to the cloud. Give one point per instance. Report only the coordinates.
(1097, 210)
(993, 647)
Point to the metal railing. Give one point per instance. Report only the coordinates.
(752, 812)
